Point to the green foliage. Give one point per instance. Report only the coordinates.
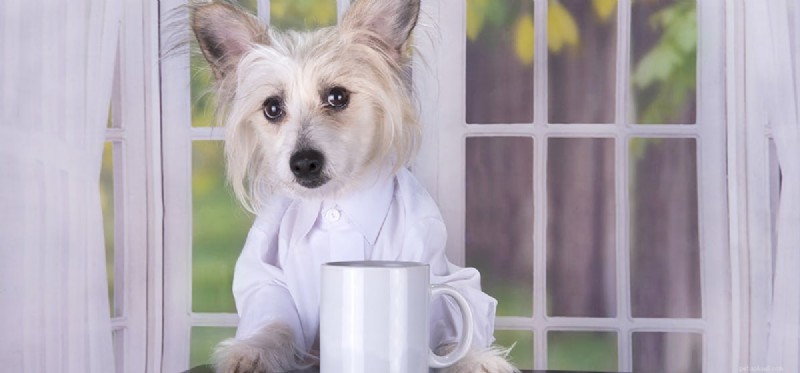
(582, 351)
(664, 79)
(302, 14)
(202, 344)
(521, 341)
(668, 70)
(219, 230)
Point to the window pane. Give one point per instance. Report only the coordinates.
(664, 241)
(589, 351)
(302, 14)
(667, 352)
(204, 339)
(582, 39)
(522, 341)
(203, 101)
(581, 255)
(219, 230)
(107, 205)
(499, 219)
(664, 61)
(499, 62)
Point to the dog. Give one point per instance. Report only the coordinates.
(320, 126)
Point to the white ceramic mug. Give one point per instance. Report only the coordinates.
(374, 318)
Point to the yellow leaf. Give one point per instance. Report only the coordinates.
(604, 8)
(524, 39)
(476, 15)
(561, 28)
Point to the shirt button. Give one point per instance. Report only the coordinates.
(333, 215)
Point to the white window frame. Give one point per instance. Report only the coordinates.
(439, 82)
(440, 79)
(135, 138)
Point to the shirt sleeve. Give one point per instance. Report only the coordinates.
(446, 324)
(425, 236)
(259, 286)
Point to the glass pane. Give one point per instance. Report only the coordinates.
(250, 5)
(203, 341)
(582, 52)
(522, 341)
(584, 351)
(219, 230)
(110, 121)
(107, 205)
(664, 238)
(499, 219)
(302, 14)
(499, 61)
(581, 255)
(664, 61)
(667, 352)
(203, 101)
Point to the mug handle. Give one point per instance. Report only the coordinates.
(436, 361)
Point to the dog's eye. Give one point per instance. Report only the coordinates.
(338, 98)
(273, 108)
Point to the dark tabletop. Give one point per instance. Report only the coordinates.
(208, 369)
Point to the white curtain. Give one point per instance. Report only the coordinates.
(56, 67)
(776, 69)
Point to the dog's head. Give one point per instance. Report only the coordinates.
(307, 114)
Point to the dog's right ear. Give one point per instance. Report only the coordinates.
(225, 34)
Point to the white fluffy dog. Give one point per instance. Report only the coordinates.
(319, 128)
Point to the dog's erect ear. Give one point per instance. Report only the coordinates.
(225, 34)
(391, 20)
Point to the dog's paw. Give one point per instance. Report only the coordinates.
(271, 350)
(488, 360)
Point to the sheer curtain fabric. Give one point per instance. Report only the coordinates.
(56, 68)
(774, 65)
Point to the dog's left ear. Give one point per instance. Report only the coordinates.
(391, 20)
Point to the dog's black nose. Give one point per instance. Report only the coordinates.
(307, 164)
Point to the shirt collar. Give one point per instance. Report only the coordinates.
(368, 204)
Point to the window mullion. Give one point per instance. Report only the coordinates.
(341, 7)
(177, 203)
(624, 348)
(263, 11)
(540, 185)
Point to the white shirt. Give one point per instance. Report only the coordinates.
(277, 276)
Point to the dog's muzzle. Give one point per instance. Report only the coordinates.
(307, 167)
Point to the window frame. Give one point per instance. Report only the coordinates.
(135, 138)
(167, 136)
(440, 83)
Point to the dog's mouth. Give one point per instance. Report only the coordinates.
(312, 182)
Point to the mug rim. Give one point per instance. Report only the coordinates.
(376, 264)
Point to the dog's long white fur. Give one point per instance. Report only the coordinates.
(270, 350)
(350, 143)
(488, 360)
